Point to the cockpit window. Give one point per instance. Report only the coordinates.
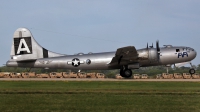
(177, 50)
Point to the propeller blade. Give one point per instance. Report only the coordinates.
(157, 46)
(147, 46)
(152, 45)
(158, 49)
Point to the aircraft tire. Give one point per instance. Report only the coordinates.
(122, 73)
(127, 73)
(192, 71)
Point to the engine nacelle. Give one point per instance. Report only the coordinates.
(149, 54)
(153, 55)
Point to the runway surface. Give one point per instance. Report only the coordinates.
(94, 79)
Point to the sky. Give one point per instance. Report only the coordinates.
(74, 26)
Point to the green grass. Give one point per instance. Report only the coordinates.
(87, 96)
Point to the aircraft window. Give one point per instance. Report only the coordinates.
(177, 50)
(190, 49)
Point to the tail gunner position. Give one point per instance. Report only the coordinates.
(26, 52)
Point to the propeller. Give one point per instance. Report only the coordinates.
(157, 46)
(158, 49)
(149, 46)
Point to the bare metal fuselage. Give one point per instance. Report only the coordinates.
(26, 52)
(146, 57)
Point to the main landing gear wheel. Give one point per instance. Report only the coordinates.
(192, 71)
(126, 73)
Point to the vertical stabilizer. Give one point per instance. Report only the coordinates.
(24, 47)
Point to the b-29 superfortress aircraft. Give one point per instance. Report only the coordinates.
(26, 52)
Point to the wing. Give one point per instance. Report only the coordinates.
(125, 55)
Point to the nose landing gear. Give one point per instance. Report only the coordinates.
(192, 70)
(125, 72)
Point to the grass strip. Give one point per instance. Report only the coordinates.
(19, 96)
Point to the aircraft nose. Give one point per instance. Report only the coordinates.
(194, 53)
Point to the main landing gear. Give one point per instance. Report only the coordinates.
(192, 70)
(125, 72)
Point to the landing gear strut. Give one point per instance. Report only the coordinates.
(192, 70)
(125, 72)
